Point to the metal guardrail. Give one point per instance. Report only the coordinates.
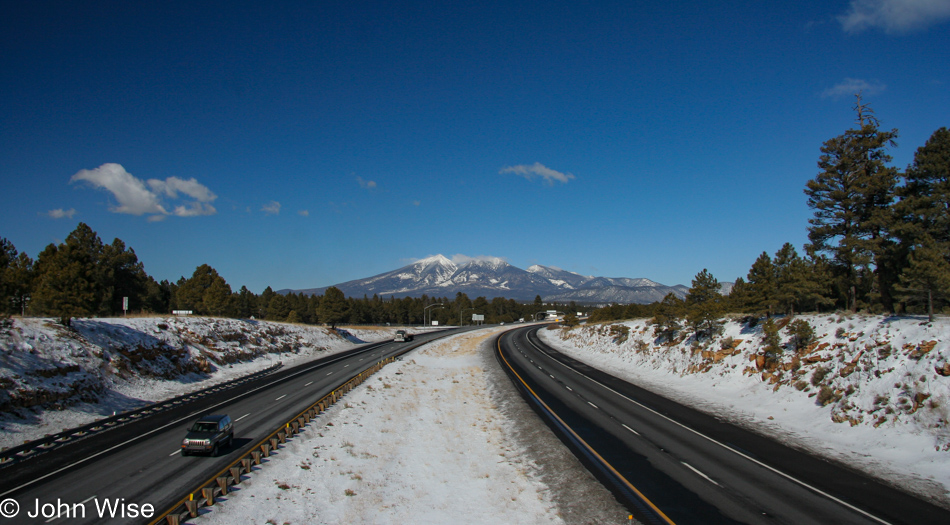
(205, 493)
(31, 449)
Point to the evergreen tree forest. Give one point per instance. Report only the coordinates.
(879, 241)
(83, 277)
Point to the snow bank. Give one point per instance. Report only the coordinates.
(420, 442)
(870, 391)
(53, 378)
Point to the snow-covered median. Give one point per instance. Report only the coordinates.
(437, 437)
(870, 391)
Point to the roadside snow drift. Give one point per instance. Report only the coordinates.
(53, 378)
(421, 442)
(869, 391)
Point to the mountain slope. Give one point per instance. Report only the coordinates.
(438, 276)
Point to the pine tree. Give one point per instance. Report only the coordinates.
(333, 307)
(794, 280)
(925, 196)
(69, 278)
(740, 298)
(761, 285)
(704, 304)
(8, 256)
(158, 296)
(122, 275)
(217, 298)
(927, 276)
(852, 198)
(771, 343)
(19, 277)
(246, 306)
(667, 314)
(205, 293)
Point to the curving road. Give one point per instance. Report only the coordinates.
(671, 464)
(139, 465)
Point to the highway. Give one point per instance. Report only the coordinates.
(137, 468)
(672, 464)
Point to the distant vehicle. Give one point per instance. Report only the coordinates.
(402, 336)
(208, 435)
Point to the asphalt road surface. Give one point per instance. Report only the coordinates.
(120, 475)
(673, 464)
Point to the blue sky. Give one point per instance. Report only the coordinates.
(303, 144)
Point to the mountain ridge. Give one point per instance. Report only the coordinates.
(490, 277)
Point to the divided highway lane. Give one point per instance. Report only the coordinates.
(141, 468)
(672, 464)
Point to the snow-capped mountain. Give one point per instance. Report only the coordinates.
(560, 278)
(490, 277)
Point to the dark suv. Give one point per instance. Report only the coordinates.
(208, 435)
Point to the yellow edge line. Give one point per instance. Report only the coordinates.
(581, 440)
(255, 447)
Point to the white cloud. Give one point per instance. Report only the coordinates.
(366, 184)
(194, 209)
(461, 259)
(191, 187)
(894, 16)
(135, 197)
(304, 213)
(271, 208)
(540, 170)
(851, 86)
(60, 213)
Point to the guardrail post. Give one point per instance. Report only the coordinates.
(192, 507)
(282, 437)
(265, 448)
(172, 519)
(246, 465)
(236, 474)
(273, 443)
(208, 494)
(294, 426)
(256, 454)
(223, 485)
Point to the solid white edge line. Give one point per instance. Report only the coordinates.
(140, 436)
(630, 429)
(697, 471)
(723, 445)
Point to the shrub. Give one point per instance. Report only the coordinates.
(819, 375)
(771, 341)
(620, 333)
(825, 395)
(802, 334)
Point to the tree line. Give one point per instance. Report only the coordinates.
(879, 241)
(84, 277)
